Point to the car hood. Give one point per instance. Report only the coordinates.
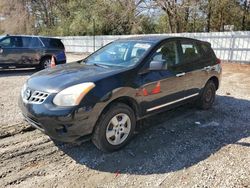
(55, 79)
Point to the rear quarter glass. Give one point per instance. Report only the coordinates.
(208, 52)
(53, 43)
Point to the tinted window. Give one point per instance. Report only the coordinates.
(26, 41)
(52, 43)
(190, 51)
(167, 53)
(207, 51)
(205, 48)
(35, 43)
(17, 41)
(56, 43)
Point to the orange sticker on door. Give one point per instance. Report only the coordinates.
(155, 90)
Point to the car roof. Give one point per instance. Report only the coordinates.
(31, 36)
(155, 38)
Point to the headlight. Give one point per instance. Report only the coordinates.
(23, 89)
(73, 95)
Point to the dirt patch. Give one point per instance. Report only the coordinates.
(185, 147)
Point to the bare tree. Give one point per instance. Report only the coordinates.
(246, 8)
(16, 17)
(209, 14)
(170, 8)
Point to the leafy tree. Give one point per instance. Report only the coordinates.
(115, 17)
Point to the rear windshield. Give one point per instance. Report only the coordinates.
(52, 43)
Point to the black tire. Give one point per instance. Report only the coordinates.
(99, 137)
(45, 63)
(207, 97)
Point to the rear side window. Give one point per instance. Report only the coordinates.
(168, 54)
(52, 43)
(35, 43)
(26, 41)
(17, 41)
(190, 51)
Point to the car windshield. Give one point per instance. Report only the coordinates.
(119, 53)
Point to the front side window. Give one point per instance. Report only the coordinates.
(168, 54)
(11, 42)
(120, 53)
(5, 42)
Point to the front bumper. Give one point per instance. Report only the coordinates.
(62, 124)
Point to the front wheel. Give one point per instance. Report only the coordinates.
(207, 97)
(115, 128)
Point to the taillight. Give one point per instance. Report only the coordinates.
(218, 61)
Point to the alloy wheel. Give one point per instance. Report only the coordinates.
(118, 129)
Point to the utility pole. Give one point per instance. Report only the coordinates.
(94, 34)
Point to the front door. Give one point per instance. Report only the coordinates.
(5, 46)
(162, 88)
(10, 50)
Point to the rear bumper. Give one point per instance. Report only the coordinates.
(60, 57)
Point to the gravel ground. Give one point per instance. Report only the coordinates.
(184, 147)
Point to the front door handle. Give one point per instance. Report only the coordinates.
(181, 74)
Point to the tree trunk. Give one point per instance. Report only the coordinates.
(243, 23)
(209, 14)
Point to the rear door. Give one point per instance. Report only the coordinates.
(194, 65)
(163, 88)
(31, 51)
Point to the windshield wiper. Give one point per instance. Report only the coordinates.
(100, 65)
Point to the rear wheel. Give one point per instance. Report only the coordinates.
(207, 97)
(115, 128)
(45, 63)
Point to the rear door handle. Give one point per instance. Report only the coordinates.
(181, 74)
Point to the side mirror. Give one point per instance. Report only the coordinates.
(156, 65)
(1, 50)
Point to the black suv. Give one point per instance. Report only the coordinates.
(103, 96)
(30, 51)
